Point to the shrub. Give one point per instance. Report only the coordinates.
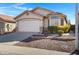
(53, 29)
(67, 28)
(64, 28)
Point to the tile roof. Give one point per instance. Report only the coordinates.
(50, 12)
(6, 18)
(26, 11)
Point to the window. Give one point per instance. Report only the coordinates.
(55, 17)
(55, 20)
(62, 21)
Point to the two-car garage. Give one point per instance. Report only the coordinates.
(29, 25)
(29, 22)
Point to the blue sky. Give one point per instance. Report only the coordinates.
(14, 9)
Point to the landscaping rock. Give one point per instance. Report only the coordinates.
(59, 45)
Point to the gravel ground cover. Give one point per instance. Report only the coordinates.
(67, 45)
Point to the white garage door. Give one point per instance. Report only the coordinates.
(29, 26)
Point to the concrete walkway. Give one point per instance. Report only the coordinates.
(16, 50)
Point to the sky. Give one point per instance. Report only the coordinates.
(15, 9)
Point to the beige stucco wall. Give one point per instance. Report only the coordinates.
(12, 26)
(29, 17)
(46, 22)
(3, 27)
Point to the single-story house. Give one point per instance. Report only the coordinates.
(7, 24)
(38, 19)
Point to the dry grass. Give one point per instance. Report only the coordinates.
(59, 45)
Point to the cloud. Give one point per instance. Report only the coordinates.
(19, 6)
(1, 12)
(14, 6)
(13, 9)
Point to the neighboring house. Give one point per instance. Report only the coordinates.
(39, 19)
(7, 24)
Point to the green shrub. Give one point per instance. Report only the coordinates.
(53, 29)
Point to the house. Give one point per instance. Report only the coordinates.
(38, 19)
(7, 24)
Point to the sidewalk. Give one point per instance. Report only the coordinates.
(16, 50)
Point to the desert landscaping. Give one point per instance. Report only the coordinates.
(56, 43)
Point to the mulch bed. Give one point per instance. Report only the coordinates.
(50, 44)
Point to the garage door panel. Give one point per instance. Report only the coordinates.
(29, 26)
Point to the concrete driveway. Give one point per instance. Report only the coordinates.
(7, 41)
(17, 36)
(17, 50)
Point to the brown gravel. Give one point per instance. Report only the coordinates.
(59, 45)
